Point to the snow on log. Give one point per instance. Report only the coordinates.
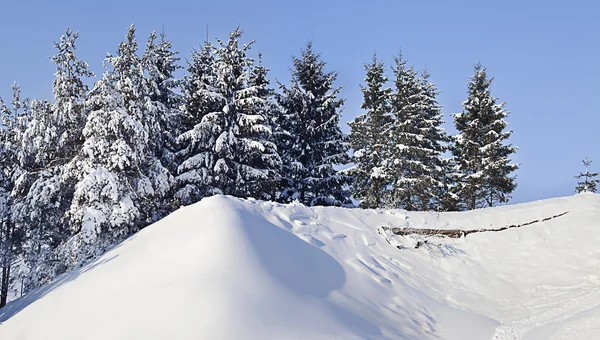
(457, 233)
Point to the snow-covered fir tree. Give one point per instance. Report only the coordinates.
(12, 235)
(228, 147)
(160, 63)
(43, 199)
(369, 136)
(417, 140)
(113, 163)
(162, 105)
(438, 195)
(312, 109)
(482, 156)
(200, 97)
(237, 155)
(589, 182)
(51, 140)
(266, 105)
(68, 110)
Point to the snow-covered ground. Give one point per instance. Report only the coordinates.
(233, 269)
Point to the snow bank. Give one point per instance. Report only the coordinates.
(226, 268)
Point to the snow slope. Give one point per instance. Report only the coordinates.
(227, 268)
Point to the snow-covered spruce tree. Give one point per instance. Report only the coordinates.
(14, 123)
(438, 195)
(113, 163)
(40, 208)
(482, 157)
(417, 140)
(312, 109)
(589, 182)
(266, 105)
(51, 140)
(369, 137)
(65, 137)
(200, 97)
(238, 156)
(162, 103)
(160, 64)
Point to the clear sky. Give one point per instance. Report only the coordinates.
(544, 56)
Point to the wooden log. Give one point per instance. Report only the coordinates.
(458, 233)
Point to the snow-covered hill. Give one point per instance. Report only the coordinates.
(233, 269)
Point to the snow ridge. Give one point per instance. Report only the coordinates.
(227, 268)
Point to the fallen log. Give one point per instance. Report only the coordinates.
(458, 233)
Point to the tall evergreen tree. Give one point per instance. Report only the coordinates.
(200, 97)
(68, 109)
(14, 123)
(369, 136)
(407, 169)
(435, 142)
(113, 161)
(418, 140)
(265, 104)
(482, 157)
(312, 109)
(235, 154)
(51, 140)
(160, 63)
(589, 182)
(162, 104)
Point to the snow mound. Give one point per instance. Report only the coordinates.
(227, 268)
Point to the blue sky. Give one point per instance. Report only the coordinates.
(544, 56)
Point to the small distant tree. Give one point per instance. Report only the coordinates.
(589, 182)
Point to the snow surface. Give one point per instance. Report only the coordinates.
(227, 268)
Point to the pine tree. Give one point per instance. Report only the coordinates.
(436, 193)
(482, 157)
(312, 109)
(418, 140)
(162, 103)
(113, 164)
(239, 158)
(265, 104)
(52, 139)
(41, 204)
(68, 110)
(200, 98)
(589, 178)
(405, 138)
(160, 64)
(14, 123)
(369, 136)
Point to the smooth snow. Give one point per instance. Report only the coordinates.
(227, 268)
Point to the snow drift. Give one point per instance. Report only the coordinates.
(227, 268)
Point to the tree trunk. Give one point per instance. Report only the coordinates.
(4, 284)
(6, 264)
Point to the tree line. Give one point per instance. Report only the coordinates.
(86, 170)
